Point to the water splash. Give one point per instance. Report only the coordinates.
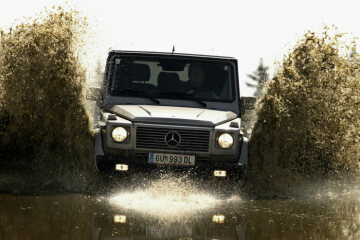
(169, 198)
(309, 119)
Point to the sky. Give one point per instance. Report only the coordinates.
(246, 30)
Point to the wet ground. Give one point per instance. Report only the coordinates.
(172, 208)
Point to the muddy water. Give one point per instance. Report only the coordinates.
(183, 211)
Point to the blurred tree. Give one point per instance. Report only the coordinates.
(260, 76)
(353, 53)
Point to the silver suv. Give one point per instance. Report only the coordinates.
(175, 111)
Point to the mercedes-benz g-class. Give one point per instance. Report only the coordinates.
(177, 111)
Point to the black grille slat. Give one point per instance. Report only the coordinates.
(177, 130)
(163, 144)
(192, 139)
(154, 138)
(182, 137)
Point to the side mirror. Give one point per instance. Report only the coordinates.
(247, 104)
(93, 94)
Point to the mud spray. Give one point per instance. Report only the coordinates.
(308, 125)
(170, 198)
(44, 124)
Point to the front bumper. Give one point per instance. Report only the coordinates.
(202, 167)
(138, 160)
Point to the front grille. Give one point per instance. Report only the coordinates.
(154, 138)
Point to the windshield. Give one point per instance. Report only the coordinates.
(171, 78)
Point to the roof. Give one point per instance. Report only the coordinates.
(124, 52)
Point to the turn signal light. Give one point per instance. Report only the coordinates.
(121, 167)
(220, 173)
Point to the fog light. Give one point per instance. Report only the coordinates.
(119, 219)
(121, 167)
(218, 218)
(220, 173)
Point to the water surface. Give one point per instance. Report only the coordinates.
(173, 210)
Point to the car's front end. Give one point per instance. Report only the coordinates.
(124, 145)
(148, 123)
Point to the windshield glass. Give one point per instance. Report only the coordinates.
(171, 78)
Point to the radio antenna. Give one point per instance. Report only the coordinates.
(173, 50)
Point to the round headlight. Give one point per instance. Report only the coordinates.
(119, 134)
(225, 140)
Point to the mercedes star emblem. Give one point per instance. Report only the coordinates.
(172, 139)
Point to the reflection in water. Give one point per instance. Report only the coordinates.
(120, 219)
(218, 218)
(329, 215)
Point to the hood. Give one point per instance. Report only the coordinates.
(171, 115)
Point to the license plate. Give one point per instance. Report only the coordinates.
(172, 159)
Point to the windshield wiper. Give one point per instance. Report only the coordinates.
(153, 99)
(202, 103)
(184, 97)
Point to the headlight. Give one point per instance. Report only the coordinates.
(119, 134)
(225, 140)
